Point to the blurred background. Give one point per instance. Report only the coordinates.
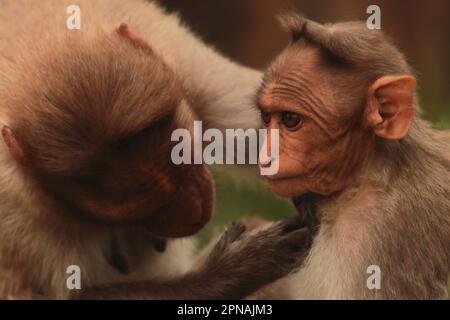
(247, 31)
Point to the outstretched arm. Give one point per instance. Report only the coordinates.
(238, 266)
(222, 90)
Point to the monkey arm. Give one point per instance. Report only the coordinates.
(237, 266)
(223, 91)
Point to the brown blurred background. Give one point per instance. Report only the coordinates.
(247, 31)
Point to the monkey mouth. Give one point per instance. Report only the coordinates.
(189, 210)
(277, 178)
(272, 178)
(287, 186)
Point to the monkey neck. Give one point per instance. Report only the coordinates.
(306, 206)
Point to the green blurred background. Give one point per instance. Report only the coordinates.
(247, 31)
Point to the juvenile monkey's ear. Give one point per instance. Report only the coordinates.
(124, 31)
(15, 147)
(390, 106)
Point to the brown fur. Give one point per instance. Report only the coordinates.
(381, 201)
(215, 276)
(85, 130)
(85, 171)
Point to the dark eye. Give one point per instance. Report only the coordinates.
(265, 117)
(291, 120)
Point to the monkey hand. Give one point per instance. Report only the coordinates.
(243, 261)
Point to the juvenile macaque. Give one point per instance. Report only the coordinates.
(86, 177)
(355, 152)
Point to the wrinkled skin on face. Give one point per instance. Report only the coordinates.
(317, 123)
(329, 113)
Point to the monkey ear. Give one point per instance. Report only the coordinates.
(124, 31)
(15, 147)
(390, 106)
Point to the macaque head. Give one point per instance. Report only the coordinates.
(333, 93)
(91, 121)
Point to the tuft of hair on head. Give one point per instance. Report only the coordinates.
(293, 23)
(302, 28)
(350, 42)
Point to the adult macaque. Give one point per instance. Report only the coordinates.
(355, 152)
(86, 176)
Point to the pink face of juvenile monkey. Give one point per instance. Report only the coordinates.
(321, 144)
(327, 125)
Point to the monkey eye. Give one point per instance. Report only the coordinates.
(265, 116)
(291, 120)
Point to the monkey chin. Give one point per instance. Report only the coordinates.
(288, 187)
(189, 211)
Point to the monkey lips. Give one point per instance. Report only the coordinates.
(189, 210)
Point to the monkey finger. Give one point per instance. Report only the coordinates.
(290, 224)
(232, 234)
(298, 241)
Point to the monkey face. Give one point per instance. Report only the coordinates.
(134, 181)
(309, 161)
(170, 201)
(96, 136)
(321, 142)
(335, 97)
